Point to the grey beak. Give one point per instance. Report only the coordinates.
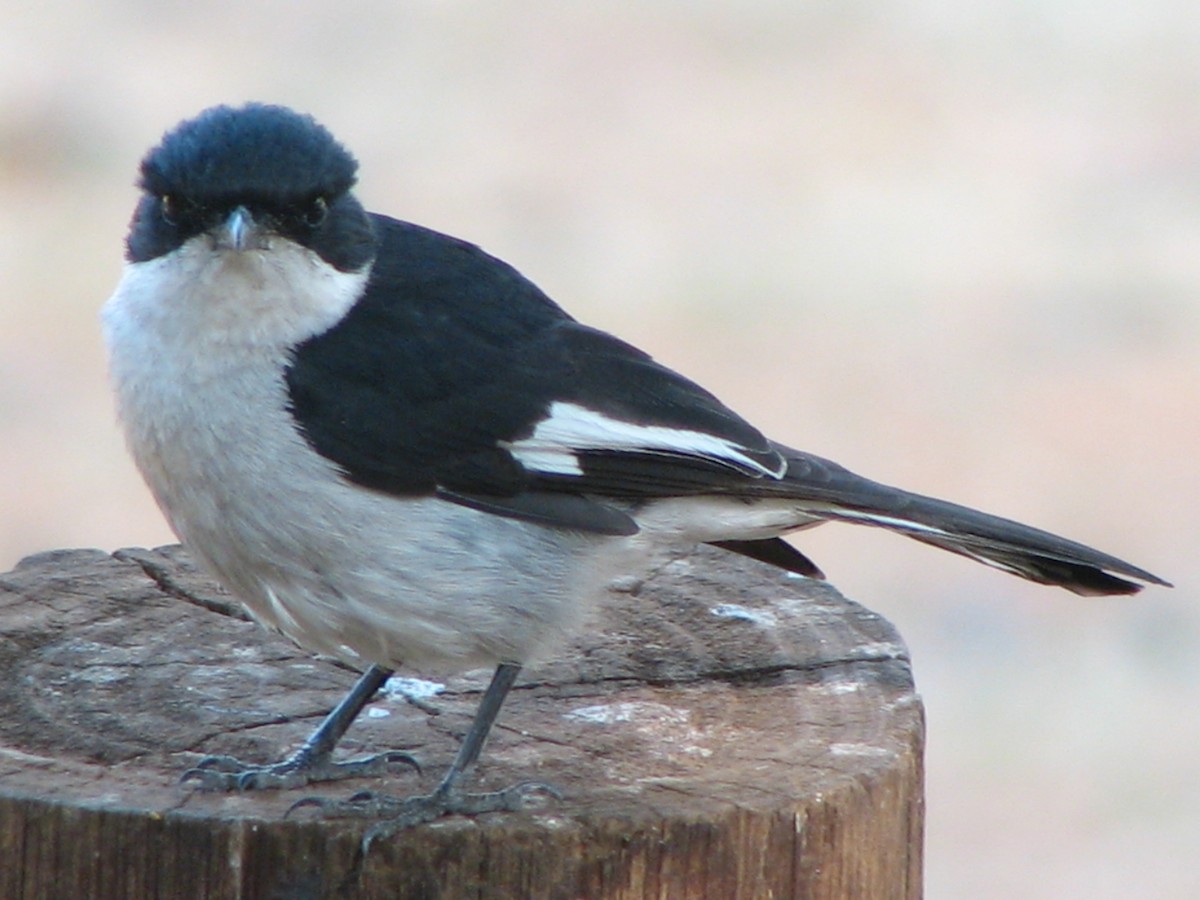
(240, 232)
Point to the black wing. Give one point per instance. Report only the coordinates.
(454, 374)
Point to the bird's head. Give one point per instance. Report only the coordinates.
(241, 179)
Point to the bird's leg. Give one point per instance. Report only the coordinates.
(313, 762)
(447, 799)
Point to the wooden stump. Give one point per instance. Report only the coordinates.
(721, 731)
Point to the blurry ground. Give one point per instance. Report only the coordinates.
(953, 246)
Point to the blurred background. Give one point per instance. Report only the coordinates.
(954, 246)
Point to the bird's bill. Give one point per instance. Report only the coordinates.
(240, 231)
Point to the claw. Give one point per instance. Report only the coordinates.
(225, 773)
(397, 756)
(360, 805)
(219, 764)
(400, 814)
(319, 802)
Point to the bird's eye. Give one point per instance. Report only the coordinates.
(169, 209)
(315, 214)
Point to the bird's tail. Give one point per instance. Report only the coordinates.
(829, 492)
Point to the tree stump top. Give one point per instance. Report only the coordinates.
(719, 730)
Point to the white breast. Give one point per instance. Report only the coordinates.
(198, 344)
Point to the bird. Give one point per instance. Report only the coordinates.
(394, 449)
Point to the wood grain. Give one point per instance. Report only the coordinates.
(719, 731)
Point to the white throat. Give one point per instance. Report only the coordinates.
(215, 305)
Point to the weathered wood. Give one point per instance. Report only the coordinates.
(722, 731)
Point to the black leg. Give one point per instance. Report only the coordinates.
(322, 741)
(481, 726)
(313, 762)
(447, 798)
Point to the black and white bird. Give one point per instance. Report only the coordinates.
(394, 448)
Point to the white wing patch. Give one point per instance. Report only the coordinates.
(888, 521)
(569, 427)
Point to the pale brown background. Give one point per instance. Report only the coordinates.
(954, 246)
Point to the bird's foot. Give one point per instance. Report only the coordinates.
(225, 773)
(399, 814)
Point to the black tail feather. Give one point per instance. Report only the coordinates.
(833, 493)
(777, 552)
(1081, 578)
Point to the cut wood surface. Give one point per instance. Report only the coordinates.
(720, 730)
